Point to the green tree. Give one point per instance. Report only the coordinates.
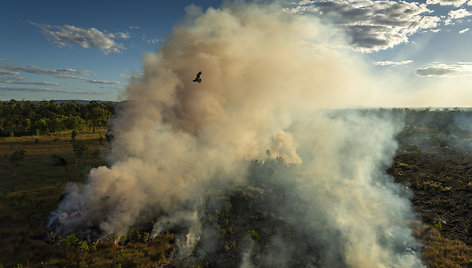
(41, 125)
(27, 118)
(74, 122)
(97, 114)
(27, 124)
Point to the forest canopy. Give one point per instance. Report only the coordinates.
(19, 118)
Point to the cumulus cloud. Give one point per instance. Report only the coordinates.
(463, 31)
(86, 38)
(456, 3)
(457, 14)
(388, 62)
(373, 25)
(459, 69)
(123, 35)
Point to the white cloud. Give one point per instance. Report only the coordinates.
(457, 14)
(129, 76)
(26, 82)
(373, 25)
(153, 41)
(134, 27)
(113, 87)
(456, 3)
(42, 90)
(40, 70)
(93, 81)
(8, 72)
(387, 63)
(123, 35)
(438, 69)
(463, 31)
(92, 37)
(150, 41)
(66, 73)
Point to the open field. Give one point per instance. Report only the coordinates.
(438, 173)
(28, 197)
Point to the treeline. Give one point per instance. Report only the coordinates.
(19, 118)
(436, 119)
(446, 121)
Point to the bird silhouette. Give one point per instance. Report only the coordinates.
(197, 78)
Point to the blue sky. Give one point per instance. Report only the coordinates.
(88, 49)
(23, 43)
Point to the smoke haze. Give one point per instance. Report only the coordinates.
(175, 141)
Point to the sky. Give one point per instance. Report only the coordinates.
(88, 50)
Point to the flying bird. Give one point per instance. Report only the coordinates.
(197, 78)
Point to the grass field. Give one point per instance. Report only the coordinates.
(31, 188)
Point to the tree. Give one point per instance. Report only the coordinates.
(41, 125)
(27, 124)
(28, 118)
(97, 114)
(74, 122)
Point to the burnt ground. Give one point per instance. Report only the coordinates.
(434, 161)
(436, 166)
(442, 187)
(248, 225)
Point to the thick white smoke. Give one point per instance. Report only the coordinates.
(176, 140)
(364, 213)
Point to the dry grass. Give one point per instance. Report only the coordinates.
(439, 251)
(28, 197)
(109, 254)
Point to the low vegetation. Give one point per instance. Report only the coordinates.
(35, 169)
(44, 165)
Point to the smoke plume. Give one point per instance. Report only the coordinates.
(177, 141)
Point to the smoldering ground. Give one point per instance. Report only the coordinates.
(183, 149)
(436, 131)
